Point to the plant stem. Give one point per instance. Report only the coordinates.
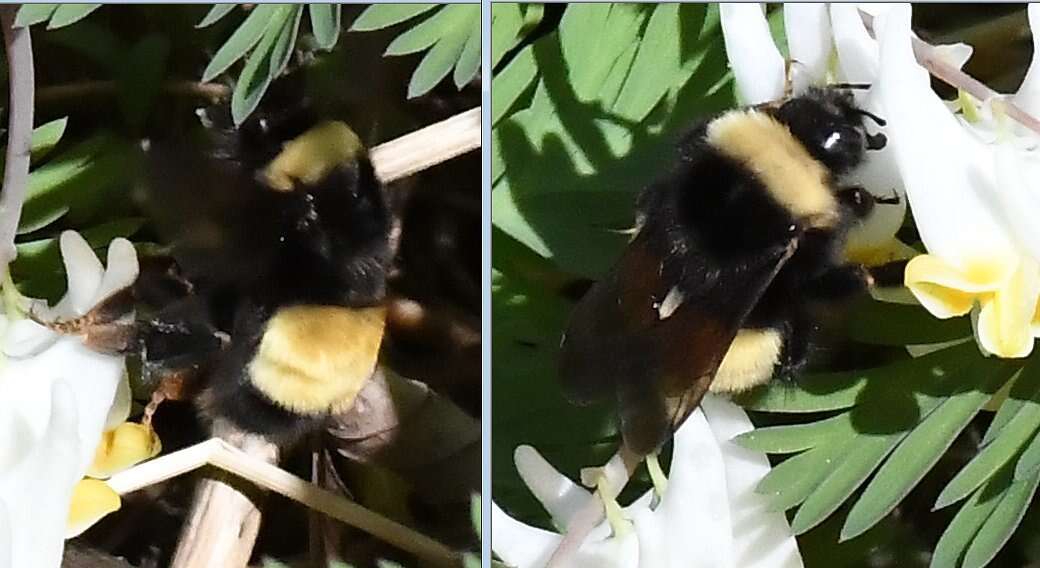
(18, 45)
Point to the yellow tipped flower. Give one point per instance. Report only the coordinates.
(122, 447)
(974, 208)
(57, 397)
(92, 499)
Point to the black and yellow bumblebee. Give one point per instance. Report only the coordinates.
(732, 250)
(269, 310)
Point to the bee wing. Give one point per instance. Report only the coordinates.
(224, 224)
(655, 330)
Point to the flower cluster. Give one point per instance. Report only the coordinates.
(63, 411)
(710, 499)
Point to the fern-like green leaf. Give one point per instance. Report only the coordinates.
(245, 38)
(215, 14)
(379, 16)
(917, 454)
(325, 22)
(30, 14)
(1020, 429)
(68, 14)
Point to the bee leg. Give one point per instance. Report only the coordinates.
(597, 477)
(794, 354)
(653, 467)
(861, 202)
(888, 275)
(173, 384)
(839, 283)
(116, 307)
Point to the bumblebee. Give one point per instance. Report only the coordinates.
(269, 313)
(733, 250)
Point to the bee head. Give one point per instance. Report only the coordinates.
(831, 127)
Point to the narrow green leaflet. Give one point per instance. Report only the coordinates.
(1001, 523)
(260, 66)
(215, 14)
(68, 14)
(918, 453)
(904, 416)
(379, 16)
(282, 50)
(459, 24)
(244, 38)
(325, 20)
(969, 519)
(451, 35)
(1019, 430)
(30, 14)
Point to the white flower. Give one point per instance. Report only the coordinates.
(710, 515)
(57, 397)
(972, 184)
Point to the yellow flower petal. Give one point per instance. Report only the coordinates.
(948, 291)
(123, 447)
(1005, 320)
(91, 500)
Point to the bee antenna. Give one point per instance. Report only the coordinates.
(877, 119)
(853, 86)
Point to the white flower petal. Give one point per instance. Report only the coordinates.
(560, 496)
(518, 544)
(6, 532)
(121, 268)
(38, 488)
(956, 54)
(757, 65)
(944, 182)
(1028, 95)
(1019, 202)
(696, 502)
(809, 44)
(857, 52)
(84, 272)
(762, 539)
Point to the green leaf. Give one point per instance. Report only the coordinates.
(325, 20)
(470, 561)
(30, 14)
(469, 60)
(792, 438)
(657, 60)
(282, 50)
(506, 21)
(425, 34)
(46, 136)
(959, 535)
(917, 453)
(511, 83)
(79, 181)
(835, 391)
(257, 73)
(885, 323)
(853, 470)
(68, 14)
(1013, 437)
(262, 17)
(793, 480)
(215, 14)
(1001, 523)
(379, 16)
(456, 25)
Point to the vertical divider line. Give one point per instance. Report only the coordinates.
(485, 238)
